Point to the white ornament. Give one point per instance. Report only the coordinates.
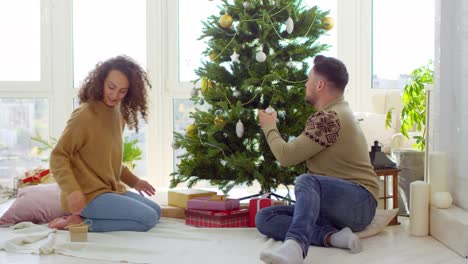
(239, 129)
(269, 110)
(235, 57)
(260, 56)
(236, 94)
(174, 145)
(291, 63)
(289, 25)
(193, 92)
(246, 5)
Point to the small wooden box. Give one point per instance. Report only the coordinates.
(78, 232)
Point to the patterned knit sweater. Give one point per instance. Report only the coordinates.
(332, 144)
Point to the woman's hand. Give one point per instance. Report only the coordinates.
(144, 186)
(76, 202)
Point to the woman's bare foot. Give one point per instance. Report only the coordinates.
(64, 221)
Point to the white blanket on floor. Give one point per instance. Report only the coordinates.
(169, 242)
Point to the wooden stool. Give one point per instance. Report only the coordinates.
(394, 174)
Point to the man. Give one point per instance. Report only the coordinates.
(339, 194)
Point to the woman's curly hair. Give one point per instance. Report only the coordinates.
(136, 100)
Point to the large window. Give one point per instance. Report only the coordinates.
(103, 29)
(21, 42)
(402, 38)
(20, 120)
(106, 28)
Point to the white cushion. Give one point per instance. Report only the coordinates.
(381, 219)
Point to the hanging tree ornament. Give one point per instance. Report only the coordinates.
(219, 121)
(289, 25)
(204, 85)
(236, 94)
(193, 92)
(328, 23)
(269, 110)
(235, 57)
(260, 56)
(291, 63)
(191, 130)
(225, 21)
(175, 145)
(239, 129)
(246, 5)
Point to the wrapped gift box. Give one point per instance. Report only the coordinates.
(203, 218)
(179, 198)
(255, 205)
(213, 203)
(172, 212)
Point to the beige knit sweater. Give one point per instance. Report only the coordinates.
(332, 144)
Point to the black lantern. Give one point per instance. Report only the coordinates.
(378, 159)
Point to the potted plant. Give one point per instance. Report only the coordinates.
(131, 150)
(413, 119)
(413, 113)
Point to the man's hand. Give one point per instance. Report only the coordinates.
(76, 202)
(266, 118)
(144, 186)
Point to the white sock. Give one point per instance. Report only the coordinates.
(289, 253)
(345, 238)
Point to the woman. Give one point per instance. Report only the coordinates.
(87, 160)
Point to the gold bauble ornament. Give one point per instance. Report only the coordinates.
(219, 121)
(225, 21)
(213, 56)
(204, 85)
(211, 84)
(191, 130)
(328, 23)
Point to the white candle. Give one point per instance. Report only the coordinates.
(419, 208)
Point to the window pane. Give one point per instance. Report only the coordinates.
(107, 28)
(20, 45)
(403, 39)
(190, 29)
(21, 119)
(182, 109)
(140, 165)
(331, 36)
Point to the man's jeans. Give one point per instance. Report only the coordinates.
(121, 212)
(323, 205)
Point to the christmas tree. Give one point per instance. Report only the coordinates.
(257, 52)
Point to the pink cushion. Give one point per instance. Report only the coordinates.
(39, 204)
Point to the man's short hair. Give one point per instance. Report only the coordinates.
(333, 70)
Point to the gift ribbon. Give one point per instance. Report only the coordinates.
(36, 177)
(263, 197)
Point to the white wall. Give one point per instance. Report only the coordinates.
(449, 108)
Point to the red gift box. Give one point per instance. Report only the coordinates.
(255, 205)
(202, 218)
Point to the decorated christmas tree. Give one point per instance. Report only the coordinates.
(257, 52)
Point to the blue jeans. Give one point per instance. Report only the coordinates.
(121, 212)
(323, 206)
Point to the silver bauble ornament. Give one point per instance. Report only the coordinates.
(236, 94)
(269, 110)
(260, 56)
(193, 92)
(239, 129)
(289, 25)
(174, 145)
